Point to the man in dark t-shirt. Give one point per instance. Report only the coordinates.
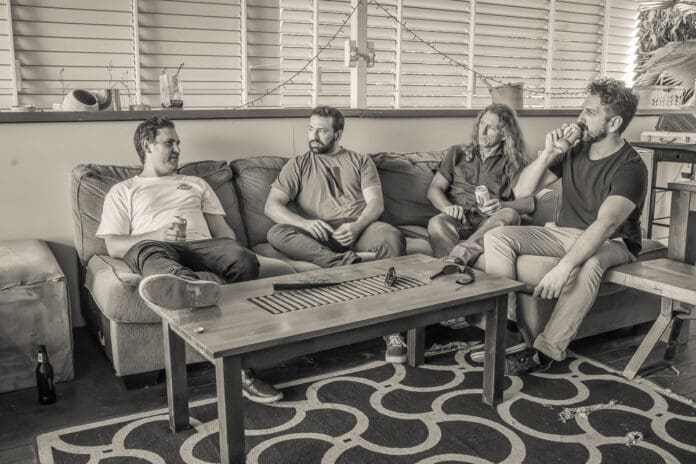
(336, 197)
(603, 189)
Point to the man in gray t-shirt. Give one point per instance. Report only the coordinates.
(337, 199)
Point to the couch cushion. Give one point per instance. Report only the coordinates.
(252, 179)
(405, 181)
(115, 290)
(219, 176)
(91, 182)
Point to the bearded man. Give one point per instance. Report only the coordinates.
(604, 182)
(337, 197)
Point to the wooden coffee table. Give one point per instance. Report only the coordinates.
(239, 332)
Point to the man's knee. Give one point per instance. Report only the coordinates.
(279, 233)
(244, 265)
(494, 237)
(508, 217)
(437, 225)
(391, 242)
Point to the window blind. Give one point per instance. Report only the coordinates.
(6, 84)
(510, 46)
(427, 80)
(71, 44)
(263, 50)
(202, 34)
(297, 26)
(549, 45)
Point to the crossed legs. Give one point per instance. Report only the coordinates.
(450, 237)
(504, 245)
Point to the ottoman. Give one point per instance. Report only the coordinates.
(33, 310)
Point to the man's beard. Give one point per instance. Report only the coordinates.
(320, 148)
(593, 137)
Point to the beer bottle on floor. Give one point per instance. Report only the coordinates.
(44, 378)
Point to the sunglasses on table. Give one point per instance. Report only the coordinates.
(455, 265)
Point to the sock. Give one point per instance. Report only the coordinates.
(541, 359)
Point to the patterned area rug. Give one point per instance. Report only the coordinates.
(576, 412)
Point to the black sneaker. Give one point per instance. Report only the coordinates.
(257, 390)
(526, 361)
(173, 292)
(396, 349)
(478, 355)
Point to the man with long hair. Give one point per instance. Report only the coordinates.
(494, 158)
(598, 226)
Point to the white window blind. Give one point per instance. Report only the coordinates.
(577, 49)
(297, 26)
(381, 78)
(6, 84)
(202, 34)
(622, 40)
(263, 50)
(510, 46)
(83, 38)
(235, 51)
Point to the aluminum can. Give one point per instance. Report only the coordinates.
(570, 135)
(482, 195)
(181, 223)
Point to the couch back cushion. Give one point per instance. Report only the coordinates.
(91, 183)
(405, 181)
(252, 180)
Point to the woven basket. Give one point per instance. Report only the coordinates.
(660, 96)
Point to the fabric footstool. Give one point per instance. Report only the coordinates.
(34, 310)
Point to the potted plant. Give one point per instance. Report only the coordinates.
(666, 71)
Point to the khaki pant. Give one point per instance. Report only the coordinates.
(505, 244)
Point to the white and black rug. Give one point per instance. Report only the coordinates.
(576, 412)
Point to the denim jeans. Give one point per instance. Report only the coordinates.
(222, 256)
(380, 238)
(505, 244)
(447, 234)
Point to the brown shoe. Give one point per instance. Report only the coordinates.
(174, 292)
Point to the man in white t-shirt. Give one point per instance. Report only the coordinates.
(167, 226)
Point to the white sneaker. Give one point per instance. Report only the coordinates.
(173, 292)
(396, 349)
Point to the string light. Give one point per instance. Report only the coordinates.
(455, 62)
(445, 57)
(289, 80)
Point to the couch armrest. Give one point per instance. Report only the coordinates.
(546, 203)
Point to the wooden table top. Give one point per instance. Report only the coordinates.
(664, 277)
(238, 326)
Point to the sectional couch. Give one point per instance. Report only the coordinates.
(130, 333)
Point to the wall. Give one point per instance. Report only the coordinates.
(37, 159)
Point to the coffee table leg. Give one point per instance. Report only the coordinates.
(415, 341)
(175, 371)
(494, 366)
(228, 379)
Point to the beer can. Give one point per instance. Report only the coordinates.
(482, 195)
(570, 135)
(181, 222)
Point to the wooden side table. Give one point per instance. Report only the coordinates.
(673, 279)
(674, 282)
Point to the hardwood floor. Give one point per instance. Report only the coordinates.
(97, 394)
